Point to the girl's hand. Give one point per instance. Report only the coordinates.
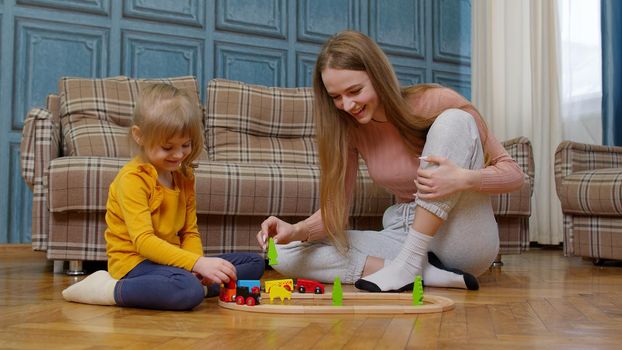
(214, 270)
(444, 179)
(281, 231)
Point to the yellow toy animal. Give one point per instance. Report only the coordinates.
(281, 292)
(287, 283)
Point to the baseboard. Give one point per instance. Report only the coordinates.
(15, 246)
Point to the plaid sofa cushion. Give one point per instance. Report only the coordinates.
(274, 189)
(239, 188)
(251, 123)
(595, 192)
(81, 184)
(588, 178)
(95, 113)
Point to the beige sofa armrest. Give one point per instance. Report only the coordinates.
(41, 142)
(571, 157)
(521, 151)
(517, 203)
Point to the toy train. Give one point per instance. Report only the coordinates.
(243, 292)
(249, 291)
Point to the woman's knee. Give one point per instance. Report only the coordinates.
(454, 121)
(456, 116)
(454, 135)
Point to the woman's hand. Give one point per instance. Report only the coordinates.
(214, 270)
(281, 231)
(444, 179)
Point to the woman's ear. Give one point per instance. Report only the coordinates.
(137, 135)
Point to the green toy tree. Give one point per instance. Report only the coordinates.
(272, 254)
(337, 292)
(418, 291)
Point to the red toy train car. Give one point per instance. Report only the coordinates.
(303, 285)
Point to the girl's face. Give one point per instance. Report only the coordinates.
(353, 92)
(168, 155)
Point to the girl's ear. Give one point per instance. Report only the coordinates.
(137, 135)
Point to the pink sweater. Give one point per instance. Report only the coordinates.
(393, 167)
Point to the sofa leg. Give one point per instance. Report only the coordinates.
(497, 262)
(59, 266)
(75, 268)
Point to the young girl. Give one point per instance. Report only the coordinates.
(428, 146)
(155, 254)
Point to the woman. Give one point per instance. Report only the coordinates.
(428, 146)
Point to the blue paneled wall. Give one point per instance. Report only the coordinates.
(269, 42)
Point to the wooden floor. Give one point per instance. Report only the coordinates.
(539, 299)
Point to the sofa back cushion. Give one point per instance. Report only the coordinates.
(252, 123)
(96, 114)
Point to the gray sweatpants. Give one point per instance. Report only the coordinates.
(467, 240)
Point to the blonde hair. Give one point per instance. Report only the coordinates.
(162, 112)
(351, 50)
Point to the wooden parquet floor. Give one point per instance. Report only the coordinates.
(538, 300)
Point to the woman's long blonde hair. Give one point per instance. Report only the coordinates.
(163, 111)
(352, 50)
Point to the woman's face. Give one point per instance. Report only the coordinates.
(353, 92)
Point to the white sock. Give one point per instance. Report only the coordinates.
(401, 271)
(435, 277)
(97, 289)
(436, 274)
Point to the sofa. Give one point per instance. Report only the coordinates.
(260, 159)
(588, 180)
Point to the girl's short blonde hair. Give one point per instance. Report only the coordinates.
(163, 111)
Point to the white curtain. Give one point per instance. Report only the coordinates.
(516, 70)
(581, 93)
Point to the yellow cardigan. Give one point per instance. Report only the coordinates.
(149, 221)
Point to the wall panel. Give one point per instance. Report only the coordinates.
(21, 197)
(457, 81)
(266, 17)
(268, 42)
(409, 75)
(253, 64)
(305, 63)
(319, 19)
(98, 7)
(452, 39)
(176, 12)
(398, 26)
(150, 55)
(41, 51)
